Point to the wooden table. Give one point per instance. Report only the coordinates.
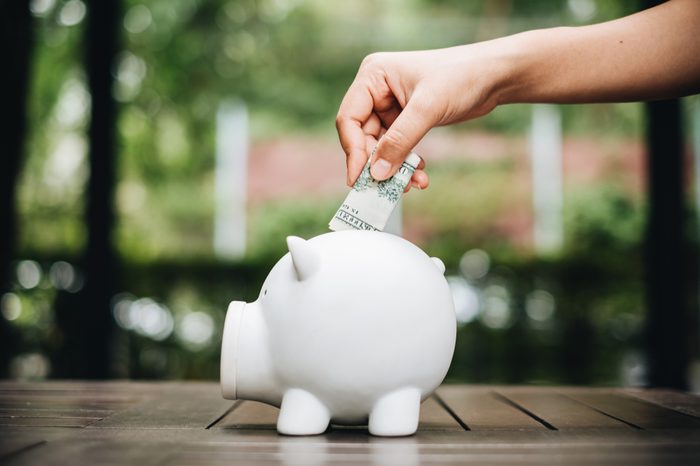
(131, 423)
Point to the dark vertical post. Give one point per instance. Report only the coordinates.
(667, 316)
(15, 48)
(101, 42)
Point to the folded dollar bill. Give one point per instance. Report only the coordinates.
(370, 202)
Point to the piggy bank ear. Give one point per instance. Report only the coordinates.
(439, 264)
(306, 261)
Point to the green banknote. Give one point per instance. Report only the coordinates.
(370, 202)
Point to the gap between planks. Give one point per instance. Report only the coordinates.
(224, 414)
(435, 416)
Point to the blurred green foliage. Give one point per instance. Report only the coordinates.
(290, 61)
(603, 219)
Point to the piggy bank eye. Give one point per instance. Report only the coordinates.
(265, 292)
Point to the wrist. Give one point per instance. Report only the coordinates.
(513, 57)
(523, 75)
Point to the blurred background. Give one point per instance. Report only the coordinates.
(159, 152)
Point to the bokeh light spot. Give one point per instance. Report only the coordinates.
(582, 10)
(29, 366)
(62, 275)
(10, 306)
(466, 299)
(41, 7)
(72, 13)
(137, 19)
(497, 312)
(474, 264)
(28, 274)
(196, 329)
(540, 305)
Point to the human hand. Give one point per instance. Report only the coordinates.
(397, 97)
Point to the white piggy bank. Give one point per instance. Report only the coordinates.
(350, 327)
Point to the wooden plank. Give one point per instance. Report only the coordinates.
(57, 403)
(480, 409)
(103, 391)
(77, 451)
(177, 406)
(249, 415)
(636, 412)
(433, 416)
(168, 428)
(48, 421)
(524, 447)
(638, 455)
(686, 403)
(22, 412)
(116, 399)
(67, 399)
(216, 446)
(14, 445)
(429, 440)
(77, 385)
(557, 411)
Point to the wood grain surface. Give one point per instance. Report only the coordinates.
(189, 423)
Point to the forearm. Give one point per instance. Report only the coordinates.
(399, 96)
(653, 54)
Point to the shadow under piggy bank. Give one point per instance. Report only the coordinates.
(353, 327)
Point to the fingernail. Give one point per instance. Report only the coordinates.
(380, 169)
(415, 184)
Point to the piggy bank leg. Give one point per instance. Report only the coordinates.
(302, 413)
(396, 413)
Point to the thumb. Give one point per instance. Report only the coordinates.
(401, 137)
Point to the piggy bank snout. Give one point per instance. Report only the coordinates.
(229, 348)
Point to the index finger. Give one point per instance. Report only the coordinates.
(355, 109)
